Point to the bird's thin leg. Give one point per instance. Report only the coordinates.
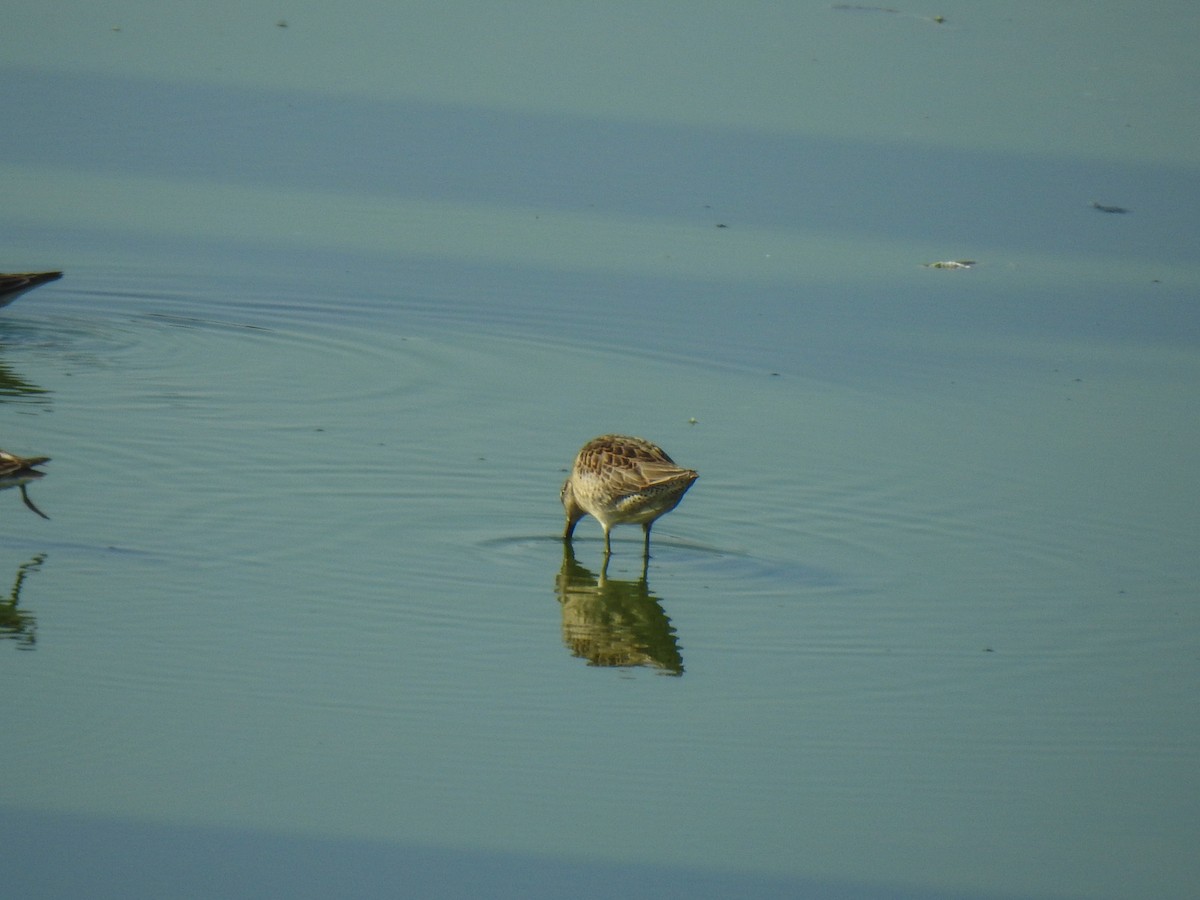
(607, 545)
(646, 548)
(29, 503)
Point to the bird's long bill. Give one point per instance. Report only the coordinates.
(573, 510)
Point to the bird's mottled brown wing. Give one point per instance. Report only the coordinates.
(629, 464)
(11, 463)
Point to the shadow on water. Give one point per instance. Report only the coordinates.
(612, 622)
(17, 624)
(67, 855)
(421, 150)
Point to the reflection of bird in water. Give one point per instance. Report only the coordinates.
(613, 623)
(16, 623)
(18, 471)
(13, 286)
(622, 480)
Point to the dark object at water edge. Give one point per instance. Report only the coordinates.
(13, 286)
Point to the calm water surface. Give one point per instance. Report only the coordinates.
(300, 621)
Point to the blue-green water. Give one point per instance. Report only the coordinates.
(338, 312)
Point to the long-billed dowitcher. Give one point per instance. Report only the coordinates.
(13, 286)
(622, 480)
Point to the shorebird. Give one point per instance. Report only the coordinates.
(18, 471)
(13, 286)
(621, 480)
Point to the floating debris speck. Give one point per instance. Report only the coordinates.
(950, 264)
